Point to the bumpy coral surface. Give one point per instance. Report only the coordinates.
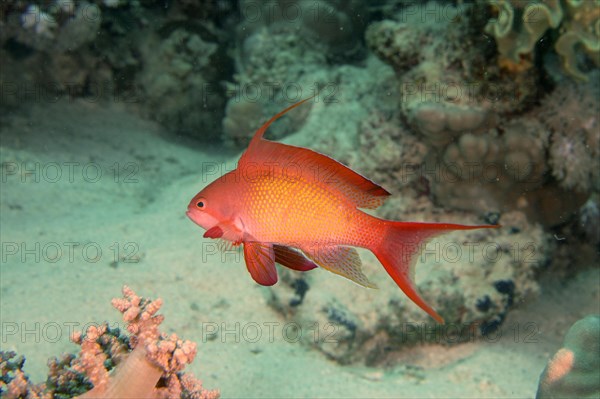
(55, 28)
(440, 66)
(494, 170)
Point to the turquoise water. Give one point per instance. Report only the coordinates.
(115, 114)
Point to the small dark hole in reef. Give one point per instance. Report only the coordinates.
(504, 286)
(300, 287)
(484, 304)
(491, 326)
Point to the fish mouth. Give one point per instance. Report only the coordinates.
(190, 215)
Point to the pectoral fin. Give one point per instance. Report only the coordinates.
(213, 232)
(340, 260)
(260, 261)
(227, 230)
(292, 258)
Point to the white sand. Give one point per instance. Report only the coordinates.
(41, 300)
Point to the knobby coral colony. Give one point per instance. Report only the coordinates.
(145, 364)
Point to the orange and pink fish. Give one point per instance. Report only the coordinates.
(293, 206)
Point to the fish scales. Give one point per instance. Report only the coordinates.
(300, 210)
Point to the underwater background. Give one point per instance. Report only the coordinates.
(114, 114)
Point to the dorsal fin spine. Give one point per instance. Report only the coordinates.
(261, 131)
(362, 192)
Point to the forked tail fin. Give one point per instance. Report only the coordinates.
(399, 249)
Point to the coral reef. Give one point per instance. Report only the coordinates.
(13, 381)
(482, 156)
(145, 364)
(110, 50)
(388, 153)
(571, 113)
(61, 27)
(241, 119)
(581, 28)
(574, 371)
(579, 241)
(45, 51)
(181, 93)
(456, 110)
(589, 220)
(479, 132)
(308, 36)
(518, 25)
(243, 116)
(334, 26)
(495, 170)
(445, 78)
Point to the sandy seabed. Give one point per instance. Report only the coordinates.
(93, 198)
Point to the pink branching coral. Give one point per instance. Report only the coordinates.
(14, 383)
(153, 369)
(146, 364)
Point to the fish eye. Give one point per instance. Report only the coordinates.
(201, 204)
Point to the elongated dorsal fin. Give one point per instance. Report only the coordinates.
(258, 135)
(271, 156)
